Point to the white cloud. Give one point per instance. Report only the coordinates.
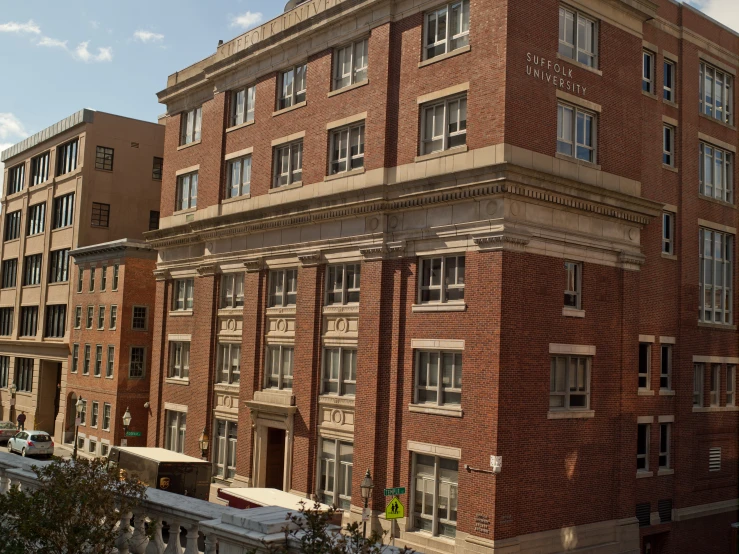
(14, 27)
(82, 53)
(247, 20)
(94, 24)
(148, 36)
(52, 43)
(723, 11)
(11, 127)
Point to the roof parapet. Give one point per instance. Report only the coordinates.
(77, 118)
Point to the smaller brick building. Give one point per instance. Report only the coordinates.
(110, 344)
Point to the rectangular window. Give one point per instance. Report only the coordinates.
(229, 356)
(435, 494)
(115, 276)
(573, 285)
(113, 316)
(103, 277)
(6, 321)
(576, 130)
(100, 215)
(642, 446)
(668, 84)
(716, 171)
(350, 64)
(715, 276)
(716, 93)
(40, 169)
(447, 29)
(111, 361)
(137, 366)
(232, 290)
(80, 278)
(92, 445)
(444, 124)
(647, 73)
(59, 266)
(56, 319)
(578, 37)
(104, 449)
(92, 278)
(106, 417)
(665, 372)
(13, 225)
(75, 357)
(335, 479)
(714, 458)
(279, 367)
(24, 374)
(715, 384)
(63, 211)
(283, 287)
(16, 178)
(668, 145)
(175, 434)
(569, 384)
(288, 164)
(36, 219)
(29, 321)
(668, 233)
(665, 430)
(292, 87)
(438, 378)
(83, 414)
(347, 149)
(645, 363)
(242, 105)
(340, 371)
(140, 318)
(66, 157)
(442, 280)
(157, 168)
(239, 177)
(10, 273)
(342, 284)
(104, 158)
(190, 125)
(187, 192)
(179, 360)
(225, 451)
(94, 417)
(182, 297)
(4, 371)
(730, 384)
(101, 317)
(86, 363)
(698, 384)
(32, 270)
(153, 220)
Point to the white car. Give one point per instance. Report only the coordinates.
(31, 443)
(7, 430)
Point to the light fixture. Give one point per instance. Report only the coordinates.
(12, 388)
(126, 420)
(204, 441)
(366, 487)
(79, 406)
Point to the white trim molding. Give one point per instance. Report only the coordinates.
(646, 338)
(702, 510)
(576, 349)
(717, 226)
(645, 419)
(667, 340)
(175, 407)
(666, 419)
(346, 121)
(244, 152)
(435, 450)
(187, 170)
(288, 138)
(179, 338)
(714, 360)
(439, 94)
(435, 344)
(572, 99)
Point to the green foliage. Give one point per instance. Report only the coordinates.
(75, 508)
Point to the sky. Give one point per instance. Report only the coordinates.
(114, 56)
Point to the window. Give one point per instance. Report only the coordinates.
(438, 378)
(645, 363)
(225, 454)
(229, 356)
(442, 280)
(350, 64)
(342, 284)
(29, 321)
(16, 178)
(115, 276)
(59, 266)
(103, 277)
(239, 177)
(100, 215)
(716, 276)
(86, 365)
(176, 427)
(92, 278)
(32, 270)
(715, 384)
(573, 285)
(576, 133)
(335, 483)
(292, 87)
(182, 297)
(716, 171)
(232, 290)
(642, 446)
(716, 93)
(340, 371)
(288, 164)
(730, 385)
(665, 430)
(698, 385)
(80, 278)
(40, 169)
(66, 160)
(113, 316)
(242, 105)
(10, 273)
(101, 317)
(447, 29)
(283, 287)
(187, 191)
(13, 225)
(665, 372)
(347, 149)
(111, 361)
(106, 417)
(190, 126)
(714, 458)
(94, 418)
(444, 125)
(24, 374)
(668, 85)
(279, 367)
(569, 383)
(92, 445)
(668, 145)
(75, 357)
(578, 37)
(179, 360)
(6, 321)
(83, 413)
(157, 168)
(36, 219)
(137, 366)
(4, 371)
(668, 233)
(153, 220)
(90, 311)
(140, 318)
(435, 494)
(63, 211)
(104, 158)
(104, 449)
(56, 319)
(647, 72)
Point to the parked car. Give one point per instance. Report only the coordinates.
(31, 443)
(7, 430)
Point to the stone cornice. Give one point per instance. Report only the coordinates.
(161, 275)
(207, 270)
(310, 259)
(503, 240)
(254, 265)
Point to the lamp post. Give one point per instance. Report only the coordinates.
(366, 487)
(12, 388)
(203, 441)
(126, 422)
(78, 406)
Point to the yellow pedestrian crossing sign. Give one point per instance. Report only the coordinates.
(395, 510)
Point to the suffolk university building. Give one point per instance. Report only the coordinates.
(409, 236)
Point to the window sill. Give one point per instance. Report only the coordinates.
(717, 326)
(714, 120)
(644, 474)
(240, 126)
(31, 286)
(671, 103)
(291, 108)
(564, 414)
(436, 410)
(180, 313)
(670, 168)
(669, 256)
(103, 170)
(665, 471)
(664, 392)
(572, 312)
(714, 409)
(176, 381)
(442, 57)
(343, 174)
(11, 240)
(716, 201)
(579, 64)
(645, 392)
(186, 211)
(649, 95)
(443, 544)
(291, 186)
(189, 144)
(440, 307)
(236, 199)
(577, 161)
(348, 88)
(441, 154)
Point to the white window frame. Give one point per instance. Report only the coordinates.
(648, 71)
(645, 374)
(292, 173)
(36, 219)
(94, 414)
(440, 389)
(337, 284)
(191, 122)
(106, 418)
(347, 148)
(241, 185)
(715, 385)
(179, 360)
(98, 371)
(187, 191)
(668, 145)
(86, 360)
(350, 64)
(183, 292)
(665, 436)
(131, 362)
(292, 91)
(243, 102)
(698, 384)
(721, 187)
(665, 362)
(334, 483)
(668, 233)
(573, 284)
(228, 373)
(176, 430)
(134, 318)
(723, 315)
(75, 358)
(110, 366)
(448, 38)
(225, 449)
(668, 91)
(731, 384)
(232, 291)
(724, 112)
(445, 108)
(644, 455)
(434, 483)
(574, 50)
(572, 363)
(569, 114)
(280, 296)
(281, 376)
(101, 318)
(443, 287)
(339, 377)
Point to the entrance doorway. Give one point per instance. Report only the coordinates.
(275, 474)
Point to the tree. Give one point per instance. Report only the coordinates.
(75, 508)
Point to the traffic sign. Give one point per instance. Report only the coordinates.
(395, 510)
(397, 491)
(133, 433)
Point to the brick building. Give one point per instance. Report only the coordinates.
(111, 341)
(538, 197)
(89, 178)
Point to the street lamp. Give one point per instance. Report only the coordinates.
(203, 441)
(12, 388)
(126, 421)
(366, 487)
(79, 406)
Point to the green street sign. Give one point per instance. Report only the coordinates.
(133, 433)
(395, 492)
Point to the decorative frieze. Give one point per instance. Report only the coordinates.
(161, 275)
(336, 414)
(253, 265)
(207, 270)
(310, 259)
(227, 400)
(230, 325)
(501, 241)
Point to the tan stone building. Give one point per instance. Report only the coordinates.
(90, 178)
